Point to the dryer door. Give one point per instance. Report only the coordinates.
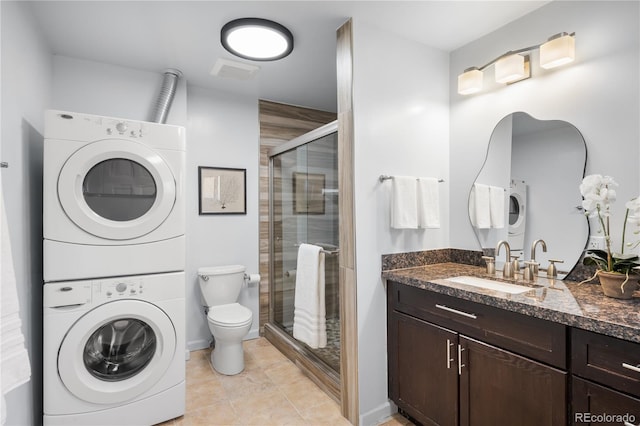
(116, 351)
(116, 189)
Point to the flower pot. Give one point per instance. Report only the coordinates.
(612, 284)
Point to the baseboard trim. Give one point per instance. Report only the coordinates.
(196, 345)
(253, 334)
(378, 414)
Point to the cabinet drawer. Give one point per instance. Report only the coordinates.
(590, 399)
(607, 360)
(538, 339)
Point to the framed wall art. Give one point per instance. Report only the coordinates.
(307, 193)
(222, 190)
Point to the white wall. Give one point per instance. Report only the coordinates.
(97, 88)
(26, 92)
(223, 131)
(598, 94)
(401, 128)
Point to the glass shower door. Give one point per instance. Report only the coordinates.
(304, 209)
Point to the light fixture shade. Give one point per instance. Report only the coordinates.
(510, 68)
(559, 50)
(470, 81)
(256, 39)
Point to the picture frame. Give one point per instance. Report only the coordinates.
(222, 190)
(308, 197)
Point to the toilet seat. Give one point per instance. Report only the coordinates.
(230, 315)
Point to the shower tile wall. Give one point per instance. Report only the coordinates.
(279, 123)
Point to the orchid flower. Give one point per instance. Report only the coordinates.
(598, 194)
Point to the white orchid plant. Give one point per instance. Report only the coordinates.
(598, 194)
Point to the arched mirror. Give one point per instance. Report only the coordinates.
(527, 189)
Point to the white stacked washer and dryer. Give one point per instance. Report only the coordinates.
(114, 257)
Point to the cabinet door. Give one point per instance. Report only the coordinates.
(501, 388)
(423, 374)
(597, 405)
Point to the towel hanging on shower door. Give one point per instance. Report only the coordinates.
(309, 314)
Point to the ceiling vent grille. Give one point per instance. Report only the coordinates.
(225, 68)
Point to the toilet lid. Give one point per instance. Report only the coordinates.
(233, 313)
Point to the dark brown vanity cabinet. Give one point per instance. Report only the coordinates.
(454, 362)
(423, 371)
(498, 387)
(606, 379)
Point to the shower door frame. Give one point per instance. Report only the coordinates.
(318, 371)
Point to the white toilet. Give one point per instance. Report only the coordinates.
(228, 320)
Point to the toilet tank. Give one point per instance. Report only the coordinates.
(221, 285)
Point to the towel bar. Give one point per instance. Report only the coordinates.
(332, 251)
(382, 178)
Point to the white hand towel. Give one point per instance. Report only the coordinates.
(404, 203)
(481, 210)
(428, 203)
(14, 359)
(309, 313)
(496, 203)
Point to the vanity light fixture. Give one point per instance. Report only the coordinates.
(510, 69)
(256, 39)
(560, 49)
(512, 66)
(470, 81)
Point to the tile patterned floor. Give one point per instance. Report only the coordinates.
(270, 391)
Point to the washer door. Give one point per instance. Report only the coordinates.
(116, 351)
(116, 189)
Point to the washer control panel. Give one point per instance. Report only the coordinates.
(86, 294)
(121, 288)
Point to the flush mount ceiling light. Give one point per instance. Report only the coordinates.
(511, 67)
(256, 39)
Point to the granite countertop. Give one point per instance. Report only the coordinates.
(566, 302)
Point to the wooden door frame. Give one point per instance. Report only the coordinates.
(348, 290)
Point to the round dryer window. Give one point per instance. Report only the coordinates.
(119, 189)
(116, 189)
(116, 351)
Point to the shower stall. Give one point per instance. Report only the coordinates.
(303, 208)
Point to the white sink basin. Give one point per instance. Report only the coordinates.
(490, 284)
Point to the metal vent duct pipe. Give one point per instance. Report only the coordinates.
(168, 90)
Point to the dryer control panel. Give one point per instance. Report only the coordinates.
(66, 125)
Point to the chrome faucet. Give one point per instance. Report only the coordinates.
(507, 270)
(534, 267)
